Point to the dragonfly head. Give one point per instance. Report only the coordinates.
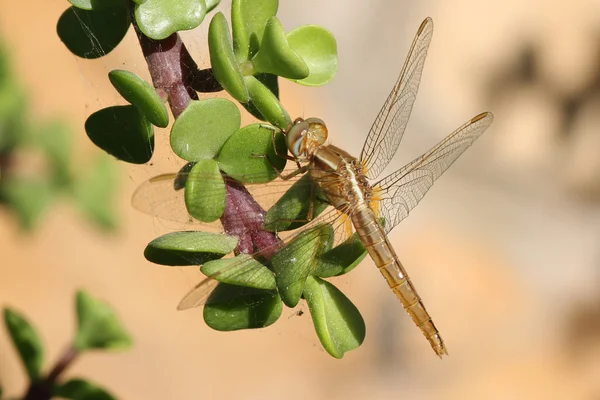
(305, 135)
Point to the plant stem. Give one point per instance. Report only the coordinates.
(174, 75)
(42, 389)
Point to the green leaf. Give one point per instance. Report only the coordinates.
(96, 192)
(97, 4)
(242, 155)
(80, 389)
(248, 21)
(267, 103)
(276, 56)
(205, 191)
(159, 19)
(203, 127)
(338, 322)
(342, 258)
(189, 248)
(140, 94)
(270, 81)
(28, 197)
(98, 326)
(231, 308)
(318, 48)
(55, 138)
(291, 210)
(122, 132)
(27, 342)
(223, 61)
(298, 259)
(211, 4)
(242, 270)
(92, 34)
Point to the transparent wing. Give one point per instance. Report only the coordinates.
(243, 268)
(400, 191)
(159, 197)
(387, 130)
(163, 196)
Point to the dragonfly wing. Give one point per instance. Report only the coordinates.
(244, 270)
(400, 191)
(388, 128)
(163, 196)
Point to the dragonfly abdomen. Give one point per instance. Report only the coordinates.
(373, 238)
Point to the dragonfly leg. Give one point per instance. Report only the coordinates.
(274, 131)
(301, 169)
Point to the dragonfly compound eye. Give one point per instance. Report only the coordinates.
(317, 131)
(296, 137)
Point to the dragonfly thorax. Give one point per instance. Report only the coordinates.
(305, 136)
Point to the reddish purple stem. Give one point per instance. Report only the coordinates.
(173, 74)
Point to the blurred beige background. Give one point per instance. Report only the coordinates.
(504, 249)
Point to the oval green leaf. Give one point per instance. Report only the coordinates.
(98, 326)
(96, 5)
(248, 21)
(292, 209)
(27, 342)
(338, 322)
(159, 19)
(266, 103)
(270, 81)
(205, 191)
(80, 389)
(249, 157)
(342, 258)
(122, 132)
(318, 48)
(92, 34)
(211, 4)
(203, 127)
(96, 192)
(276, 56)
(242, 270)
(299, 259)
(140, 94)
(189, 248)
(223, 61)
(231, 308)
(28, 197)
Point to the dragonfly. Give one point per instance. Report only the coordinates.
(370, 210)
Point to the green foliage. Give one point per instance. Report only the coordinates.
(230, 308)
(98, 326)
(80, 389)
(189, 248)
(259, 45)
(95, 33)
(203, 128)
(122, 132)
(338, 322)
(242, 270)
(30, 193)
(205, 191)
(249, 157)
(142, 95)
(26, 341)
(94, 192)
(291, 211)
(318, 48)
(158, 19)
(304, 251)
